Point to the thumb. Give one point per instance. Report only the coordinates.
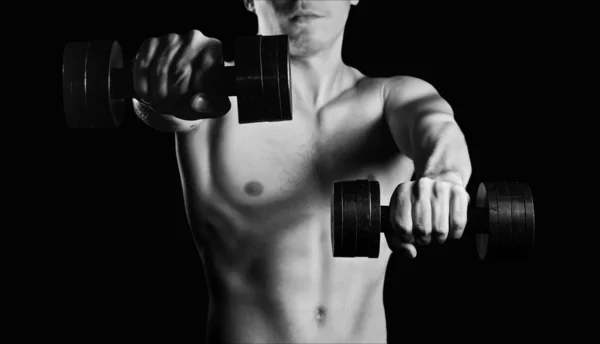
(409, 250)
(396, 244)
(210, 106)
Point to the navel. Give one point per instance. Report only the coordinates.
(320, 315)
(254, 188)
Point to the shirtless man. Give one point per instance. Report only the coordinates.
(258, 195)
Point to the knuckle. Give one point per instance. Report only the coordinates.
(146, 52)
(212, 52)
(424, 240)
(196, 35)
(440, 189)
(402, 195)
(198, 41)
(173, 38)
(459, 222)
(402, 190)
(141, 86)
(441, 227)
(421, 228)
(421, 188)
(423, 183)
(457, 234)
(458, 189)
(402, 225)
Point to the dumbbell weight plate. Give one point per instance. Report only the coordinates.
(529, 219)
(103, 110)
(355, 219)
(263, 79)
(511, 227)
(518, 240)
(86, 84)
(363, 217)
(74, 84)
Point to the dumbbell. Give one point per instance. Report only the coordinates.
(96, 84)
(502, 219)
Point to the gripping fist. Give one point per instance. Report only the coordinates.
(426, 211)
(176, 76)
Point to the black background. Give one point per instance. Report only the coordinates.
(134, 262)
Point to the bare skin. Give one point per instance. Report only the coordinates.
(258, 200)
(258, 195)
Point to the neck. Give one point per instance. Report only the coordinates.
(318, 78)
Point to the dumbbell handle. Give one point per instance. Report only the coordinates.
(476, 220)
(121, 86)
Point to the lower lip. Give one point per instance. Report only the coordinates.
(304, 19)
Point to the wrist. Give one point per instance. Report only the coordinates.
(453, 177)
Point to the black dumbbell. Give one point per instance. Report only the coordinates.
(96, 84)
(502, 220)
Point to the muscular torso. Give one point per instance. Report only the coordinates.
(258, 201)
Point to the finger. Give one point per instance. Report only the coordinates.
(196, 72)
(440, 212)
(397, 245)
(206, 105)
(409, 250)
(141, 73)
(459, 201)
(401, 214)
(207, 77)
(421, 211)
(180, 70)
(167, 47)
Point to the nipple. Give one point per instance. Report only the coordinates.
(253, 188)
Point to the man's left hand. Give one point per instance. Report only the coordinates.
(426, 211)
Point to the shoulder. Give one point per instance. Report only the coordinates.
(400, 88)
(405, 90)
(408, 87)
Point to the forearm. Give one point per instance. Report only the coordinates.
(439, 149)
(424, 129)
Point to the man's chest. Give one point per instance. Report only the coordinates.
(274, 164)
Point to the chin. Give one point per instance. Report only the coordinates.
(303, 46)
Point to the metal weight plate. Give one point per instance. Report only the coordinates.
(344, 219)
(276, 78)
(263, 79)
(349, 219)
(363, 218)
(74, 84)
(518, 239)
(337, 229)
(486, 243)
(529, 244)
(117, 102)
(375, 226)
(248, 86)
(503, 244)
(511, 228)
(102, 56)
(284, 78)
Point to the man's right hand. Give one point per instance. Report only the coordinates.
(176, 76)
